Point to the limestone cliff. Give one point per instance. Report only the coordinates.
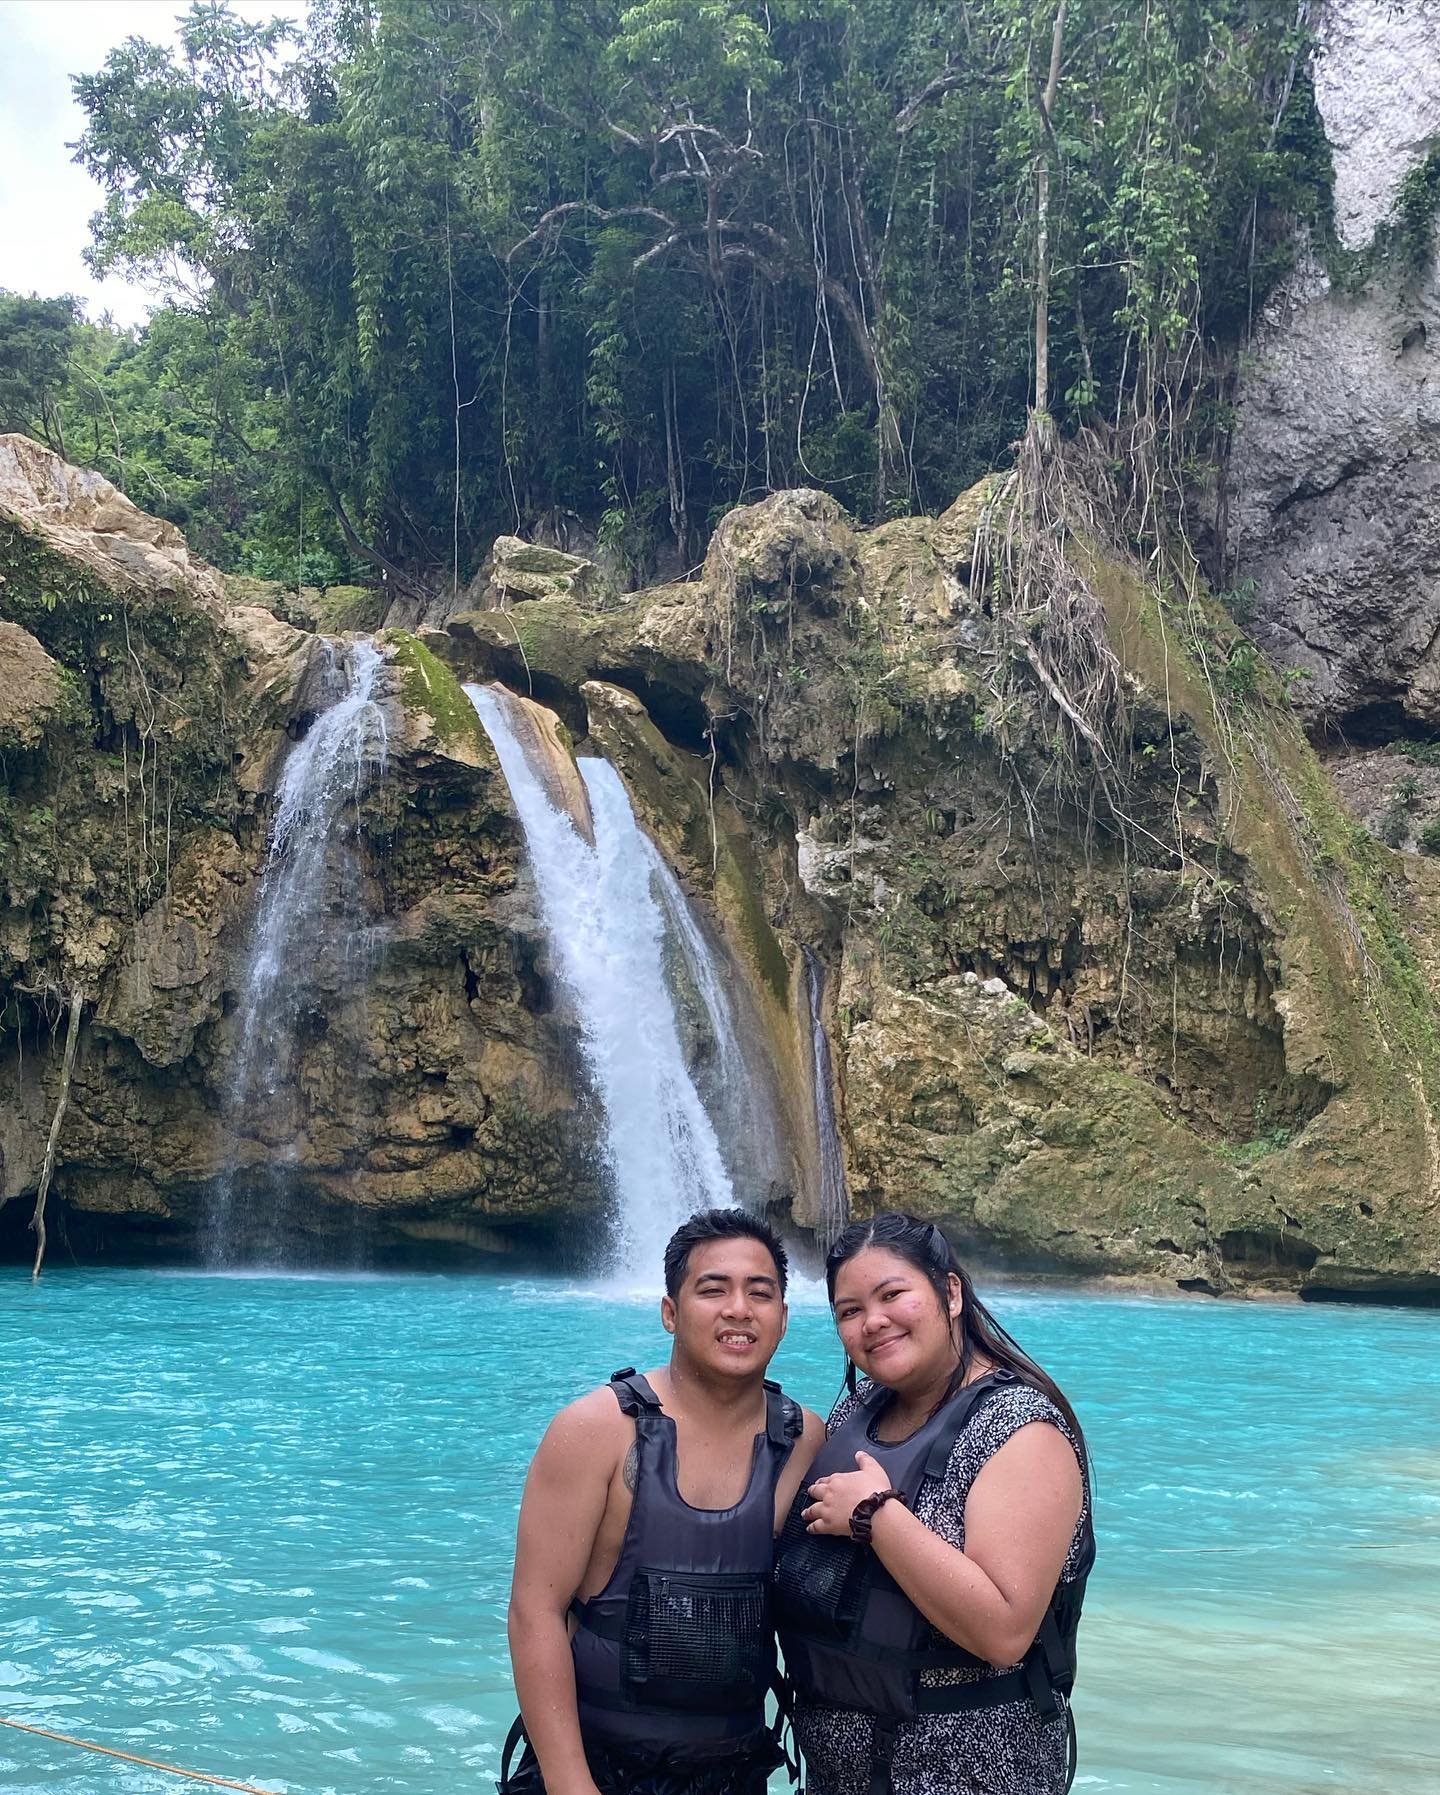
(1153, 1009)
(1195, 1041)
(1334, 482)
(143, 722)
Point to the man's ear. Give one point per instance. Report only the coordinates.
(668, 1314)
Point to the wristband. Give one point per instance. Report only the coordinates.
(863, 1513)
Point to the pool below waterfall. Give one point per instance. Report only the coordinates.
(261, 1526)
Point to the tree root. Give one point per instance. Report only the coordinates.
(47, 1169)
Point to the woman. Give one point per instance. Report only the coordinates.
(930, 1578)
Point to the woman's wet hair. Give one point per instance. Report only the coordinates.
(719, 1224)
(978, 1334)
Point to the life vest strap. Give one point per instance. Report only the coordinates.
(597, 1621)
(882, 1756)
(514, 1738)
(634, 1394)
(784, 1419)
(958, 1413)
(967, 1698)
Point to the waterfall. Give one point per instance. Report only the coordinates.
(736, 1084)
(308, 915)
(607, 932)
(834, 1196)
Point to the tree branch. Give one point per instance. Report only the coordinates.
(47, 1169)
(906, 117)
(603, 213)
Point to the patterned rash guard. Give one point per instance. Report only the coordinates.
(1005, 1750)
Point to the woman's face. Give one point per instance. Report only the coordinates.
(891, 1322)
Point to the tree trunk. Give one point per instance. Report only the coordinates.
(1042, 219)
(47, 1169)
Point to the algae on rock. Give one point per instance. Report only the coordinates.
(439, 1101)
(1182, 1030)
(1144, 1040)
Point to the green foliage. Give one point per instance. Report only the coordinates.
(1424, 753)
(455, 267)
(1428, 840)
(1258, 1147)
(1416, 207)
(1241, 671)
(36, 336)
(1239, 601)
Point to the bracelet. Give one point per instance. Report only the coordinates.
(863, 1514)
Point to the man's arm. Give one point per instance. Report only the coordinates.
(797, 1467)
(560, 1515)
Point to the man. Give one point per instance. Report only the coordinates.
(648, 1519)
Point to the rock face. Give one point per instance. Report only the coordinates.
(1381, 121)
(1335, 474)
(436, 1098)
(31, 688)
(1197, 1051)
(1189, 1036)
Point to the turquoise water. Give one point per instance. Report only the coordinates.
(261, 1526)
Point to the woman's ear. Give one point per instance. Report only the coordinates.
(955, 1296)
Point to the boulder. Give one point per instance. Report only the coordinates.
(517, 572)
(80, 516)
(31, 691)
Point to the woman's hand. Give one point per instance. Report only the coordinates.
(833, 1498)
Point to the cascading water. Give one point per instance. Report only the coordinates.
(606, 928)
(834, 1194)
(308, 919)
(734, 1085)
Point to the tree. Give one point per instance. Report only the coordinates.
(36, 338)
(465, 266)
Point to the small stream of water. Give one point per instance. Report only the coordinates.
(834, 1191)
(308, 915)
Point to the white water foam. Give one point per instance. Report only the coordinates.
(607, 931)
(298, 918)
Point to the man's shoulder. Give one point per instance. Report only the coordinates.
(589, 1419)
(812, 1433)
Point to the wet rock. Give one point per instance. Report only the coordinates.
(1334, 480)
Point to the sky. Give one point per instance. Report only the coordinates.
(45, 199)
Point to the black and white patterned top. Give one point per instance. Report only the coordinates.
(1004, 1750)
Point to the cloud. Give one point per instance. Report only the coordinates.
(45, 200)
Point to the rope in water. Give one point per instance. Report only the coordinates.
(199, 1776)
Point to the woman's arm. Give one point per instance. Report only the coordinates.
(1019, 1520)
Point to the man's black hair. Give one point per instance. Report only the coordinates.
(718, 1224)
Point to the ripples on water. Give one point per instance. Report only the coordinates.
(262, 1526)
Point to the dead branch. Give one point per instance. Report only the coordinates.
(47, 1169)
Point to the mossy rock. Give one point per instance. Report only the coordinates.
(428, 685)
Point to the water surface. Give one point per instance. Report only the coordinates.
(262, 1526)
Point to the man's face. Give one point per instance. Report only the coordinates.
(729, 1316)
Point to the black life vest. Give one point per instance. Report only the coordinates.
(852, 1638)
(674, 1657)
